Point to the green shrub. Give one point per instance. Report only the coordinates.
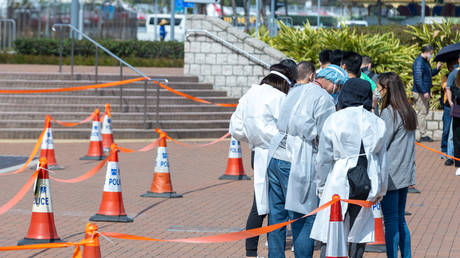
(123, 49)
(85, 60)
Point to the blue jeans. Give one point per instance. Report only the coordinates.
(278, 176)
(446, 121)
(396, 230)
(450, 141)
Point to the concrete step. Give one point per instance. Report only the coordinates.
(115, 107)
(79, 133)
(100, 100)
(88, 77)
(128, 91)
(127, 124)
(9, 84)
(78, 116)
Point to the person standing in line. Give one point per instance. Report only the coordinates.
(366, 68)
(292, 66)
(423, 74)
(292, 192)
(454, 99)
(324, 59)
(351, 145)
(400, 122)
(336, 57)
(351, 62)
(305, 72)
(255, 121)
(447, 103)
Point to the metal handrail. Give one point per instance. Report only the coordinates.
(229, 45)
(122, 62)
(11, 32)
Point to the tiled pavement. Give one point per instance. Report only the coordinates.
(207, 202)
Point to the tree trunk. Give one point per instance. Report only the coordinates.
(285, 7)
(246, 15)
(234, 12)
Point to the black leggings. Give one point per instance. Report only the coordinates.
(254, 221)
(456, 138)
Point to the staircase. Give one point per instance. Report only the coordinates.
(22, 115)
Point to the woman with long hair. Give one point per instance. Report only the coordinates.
(255, 121)
(401, 122)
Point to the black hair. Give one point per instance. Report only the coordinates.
(325, 56)
(336, 57)
(276, 81)
(304, 69)
(352, 61)
(366, 60)
(427, 48)
(292, 66)
(397, 98)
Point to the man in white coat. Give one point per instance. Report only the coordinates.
(351, 137)
(292, 192)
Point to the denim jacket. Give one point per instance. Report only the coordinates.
(422, 74)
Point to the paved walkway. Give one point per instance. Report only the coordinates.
(208, 204)
(30, 68)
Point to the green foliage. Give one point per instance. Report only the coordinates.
(381, 44)
(85, 60)
(123, 49)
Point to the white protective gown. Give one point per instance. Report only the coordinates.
(303, 114)
(339, 149)
(255, 121)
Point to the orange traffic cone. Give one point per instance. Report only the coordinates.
(378, 246)
(91, 249)
(336, 242)
(235, 170)
(47, 147)
(161, 184)
(41, 229)
(95, 151)
(112, 208)
(106, 131)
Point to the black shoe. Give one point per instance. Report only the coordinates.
(449, 162)
(425, 139)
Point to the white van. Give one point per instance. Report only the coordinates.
(148, 32)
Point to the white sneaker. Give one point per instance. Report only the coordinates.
(457, 172)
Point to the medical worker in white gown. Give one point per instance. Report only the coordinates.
(255, 121)
(292, 192)
(343, 134)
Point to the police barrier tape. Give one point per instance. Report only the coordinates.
(69, 124)
(77, 88)
(235, 236)
(161, 132)
(19, 195)
(191, 97)
(438, 152)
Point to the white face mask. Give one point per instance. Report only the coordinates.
(377, 95)
(429, 56)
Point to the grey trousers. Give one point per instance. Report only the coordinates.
(422, 106)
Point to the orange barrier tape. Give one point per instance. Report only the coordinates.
(68, 124)
(31, 156)
(7, 206)
(161, 132)
(77, 88)
(193, 98)
(438, 152)
(234, 236)
(76, 251)
(144, 149)
(85, 176)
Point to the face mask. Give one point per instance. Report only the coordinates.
(364, 69)
(378, 96)
(429, 56)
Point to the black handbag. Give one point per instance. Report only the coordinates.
(358, 179)
(455, 109)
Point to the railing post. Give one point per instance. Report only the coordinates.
(158, 106)
(72, 53)
(4, 34)
(96, 65)
(60, 50)
(145, 104)
(121, 88)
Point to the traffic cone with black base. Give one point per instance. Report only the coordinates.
(95, 151)
(336, 243)
(47, 147)
(235, 170)
(91, 248)
(106, 131)
(161, 184)
(378, 246)
(42, 228)
(112, 208)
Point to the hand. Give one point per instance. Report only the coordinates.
(451, 103)
(378, 199)
(438, 65)
(426, 95)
